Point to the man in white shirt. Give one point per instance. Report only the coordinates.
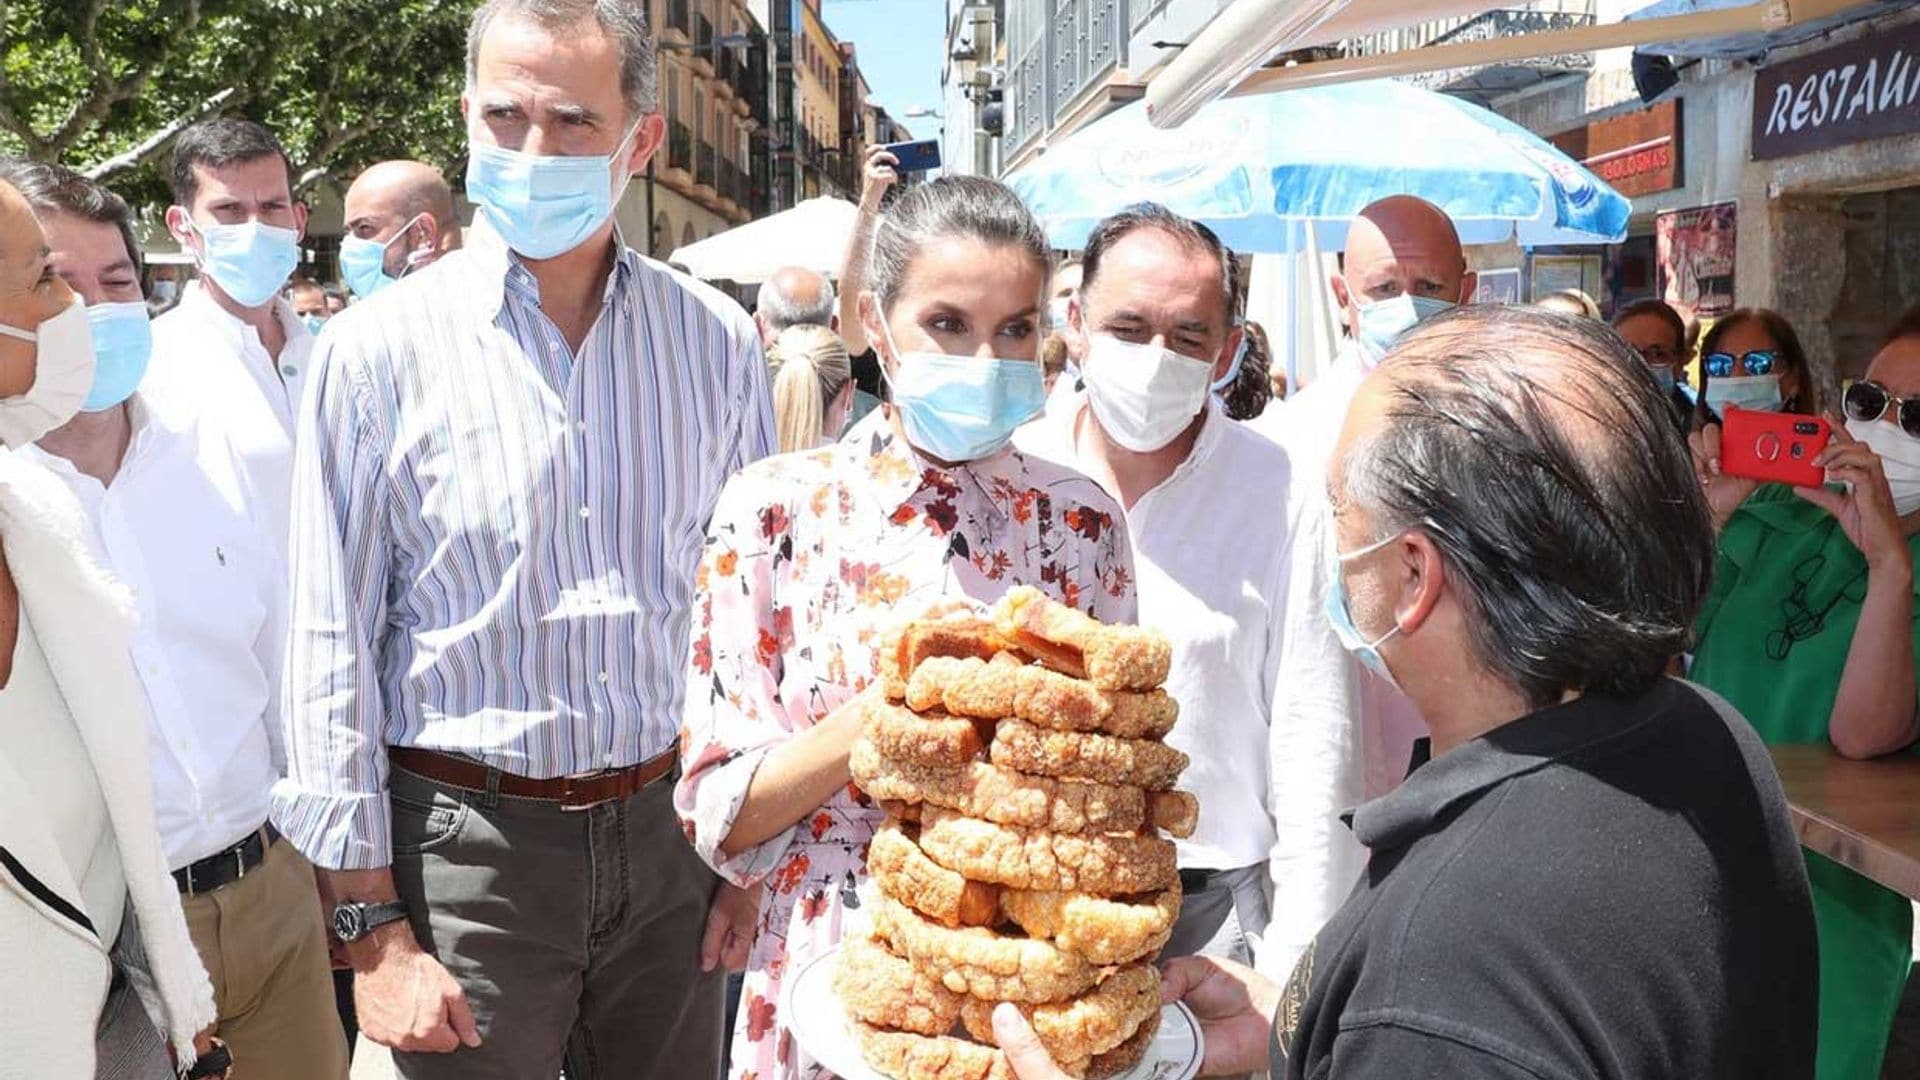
(173, 516)
(233, 352)
(1403, 264)
(1207, 503)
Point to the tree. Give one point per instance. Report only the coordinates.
(105, 85)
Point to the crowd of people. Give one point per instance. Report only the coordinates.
(476, 669)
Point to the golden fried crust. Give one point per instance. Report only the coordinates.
(904, 649)
(1090, 1024)
(1095, 863)
(1176, 813)
(1076, 644)
(1128, 1054)
(966, 686)
(1104, 931)
(1079, 755)
(992, 793)
(904, 872)
(932, 739)
(1052, 700)
(976, 961)
(906, 1056)
(881, 988)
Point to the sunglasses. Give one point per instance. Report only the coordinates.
(1868, 401)
(1758, 362)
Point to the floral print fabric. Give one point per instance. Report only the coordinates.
(810, 558)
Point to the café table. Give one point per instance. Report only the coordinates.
(1864, 815)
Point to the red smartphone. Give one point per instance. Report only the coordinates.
(1771, 446)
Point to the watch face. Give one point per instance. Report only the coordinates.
(349, 922)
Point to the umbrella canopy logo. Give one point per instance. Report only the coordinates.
(1206, 148)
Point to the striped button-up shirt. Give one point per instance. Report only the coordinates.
(494, 538)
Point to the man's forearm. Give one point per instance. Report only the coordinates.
(369, 887)
(853, 281)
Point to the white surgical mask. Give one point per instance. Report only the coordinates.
(1143, 395)
(1760, 393)
(62, 376)
(1899, 458)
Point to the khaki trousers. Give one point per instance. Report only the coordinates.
(264, 945)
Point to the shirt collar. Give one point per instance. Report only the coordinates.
(1212, 433)
(1421, 804)
(237, 333)
(503, 271)
(897, 474)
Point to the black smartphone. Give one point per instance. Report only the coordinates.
(915, 156)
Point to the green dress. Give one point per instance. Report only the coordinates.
(1773, 640)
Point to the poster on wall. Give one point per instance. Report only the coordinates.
(1695, 252)
(1498, 287)
(1550, 274)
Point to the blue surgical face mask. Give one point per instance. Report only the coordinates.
(1341, 618)
(1760, 393)
(962, 408)
(313, 322)
(363, 263)
(545, 206)
(1221, 384)
(1383, 321)
(1664, 376)
(249, 261)
(122, 345)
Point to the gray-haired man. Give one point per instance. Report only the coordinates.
(794, 296)
(506, 466)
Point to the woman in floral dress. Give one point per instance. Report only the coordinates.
(812, 556)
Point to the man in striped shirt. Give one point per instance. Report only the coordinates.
(504, 473)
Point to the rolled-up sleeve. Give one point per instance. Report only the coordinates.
(332, 803)
(735, 714)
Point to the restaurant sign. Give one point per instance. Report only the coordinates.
(1862, 89)
(1638, 153)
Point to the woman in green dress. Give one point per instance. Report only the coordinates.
(1809, 631)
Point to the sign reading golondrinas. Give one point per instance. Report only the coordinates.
(1862, 89)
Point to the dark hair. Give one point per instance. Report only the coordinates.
(1781, 331)
(1661, 310)
(1538, 455)
(972, 206)
(1252, 389)
(1149, 215)
(55, 188)
(217, 143)
(1906, 326)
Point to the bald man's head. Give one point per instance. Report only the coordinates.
(403, 197)
(794, 296)
(1401, 246)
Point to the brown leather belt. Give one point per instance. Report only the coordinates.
(571, 792)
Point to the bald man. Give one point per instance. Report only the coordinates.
(793, 296)
(1403, 264)
(400, 217)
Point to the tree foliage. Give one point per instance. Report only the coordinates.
(103, 85)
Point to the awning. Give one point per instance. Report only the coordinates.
(1753, 44)
(1228, 56)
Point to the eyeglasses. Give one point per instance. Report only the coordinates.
(1868, 401)
(1758, 362)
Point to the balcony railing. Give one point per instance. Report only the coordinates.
(1500, 22)
(704, 158)
(679, 146)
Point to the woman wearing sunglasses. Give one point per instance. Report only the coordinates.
(1809, 631)
(812, 556)
(1752, 359)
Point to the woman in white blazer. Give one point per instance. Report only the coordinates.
(97, 974)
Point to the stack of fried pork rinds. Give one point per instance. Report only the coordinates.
(1019, 756)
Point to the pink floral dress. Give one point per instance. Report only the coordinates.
(810, 558)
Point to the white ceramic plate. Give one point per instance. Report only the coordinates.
(813, 1013)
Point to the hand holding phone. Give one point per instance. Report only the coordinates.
(917, 156)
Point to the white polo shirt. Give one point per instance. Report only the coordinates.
(214, 367)
(181, 527)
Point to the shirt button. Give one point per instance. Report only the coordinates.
(585, 513)
(289, 371)
(581, 427)
(603, 678)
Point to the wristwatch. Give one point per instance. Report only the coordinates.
(351, 922)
